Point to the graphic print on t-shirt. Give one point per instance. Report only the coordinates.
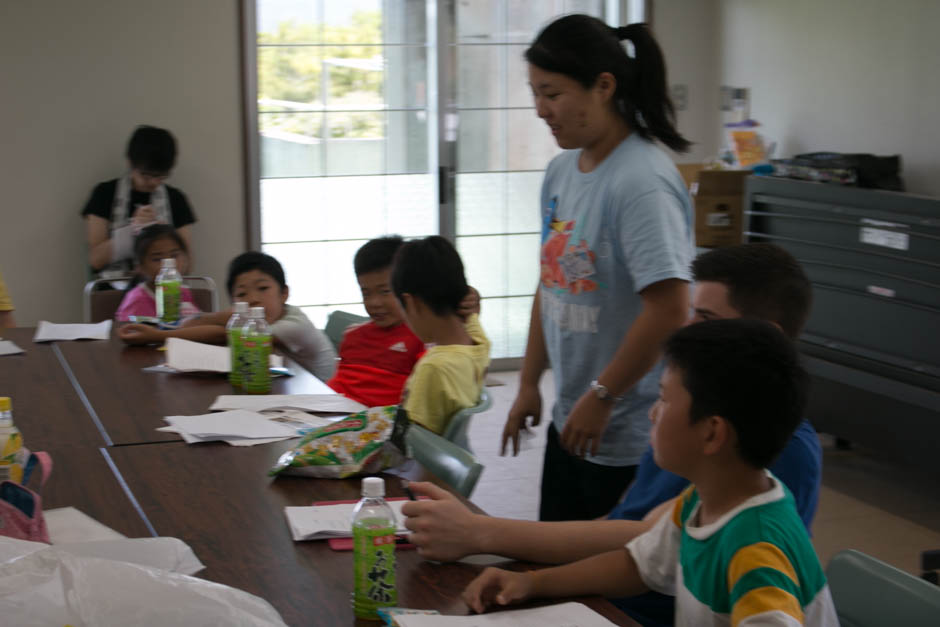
(567, 260)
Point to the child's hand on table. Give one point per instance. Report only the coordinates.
(500, 587)
(135, 333)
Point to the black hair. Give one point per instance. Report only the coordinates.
(431, 270)
(152, 149)
(747, 372)
(151, 234)
(253, 260)
(582, 47)
(763, 280)
(377, 254)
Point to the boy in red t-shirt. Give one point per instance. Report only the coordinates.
(377, 356)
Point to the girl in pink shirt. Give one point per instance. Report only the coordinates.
(153, 244)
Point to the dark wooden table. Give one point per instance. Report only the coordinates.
(130, 403)
(220, 501)
(47, 408)
(91, 407)
(53, 417)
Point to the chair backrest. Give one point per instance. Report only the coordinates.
(205, 296)
(456, 430)
(337, 323)
(447, 461)
(869, 593)
(101, 302)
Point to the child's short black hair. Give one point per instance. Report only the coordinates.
(253, 260)
(747, 372)
(764, 281)
(377, 254)
(151, 234)
(152, 150)
(430, 269)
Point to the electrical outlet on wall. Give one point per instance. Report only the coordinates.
(680, 97)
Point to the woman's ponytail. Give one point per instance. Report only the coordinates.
(653, 114)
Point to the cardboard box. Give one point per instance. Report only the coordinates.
(718, 198)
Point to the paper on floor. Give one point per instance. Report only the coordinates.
(48, 331)
(8, 347)
(326, 403)
(316, 522)
(567, 614)
(186, 356)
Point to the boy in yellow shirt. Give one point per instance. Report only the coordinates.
(428, 279)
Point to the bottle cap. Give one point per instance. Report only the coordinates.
(373, 486)
(5, 403)
(168, 263)
(256, 312)
(241, 308)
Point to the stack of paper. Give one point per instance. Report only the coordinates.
(318, 522)
(324, 403)
(567, 614)
(186, 356)
(238, 428)
(48, 332)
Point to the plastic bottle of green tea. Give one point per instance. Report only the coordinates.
(255, 353)
(233, 332)
(169, 291)
(373, 528)
(12, 454)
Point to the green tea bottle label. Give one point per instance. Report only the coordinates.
(168, 301)
(373, 567)
(255, 352)
(238, 365)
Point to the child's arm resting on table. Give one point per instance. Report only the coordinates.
(611, 574)
(145, 334)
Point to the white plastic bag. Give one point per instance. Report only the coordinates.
(62, 585)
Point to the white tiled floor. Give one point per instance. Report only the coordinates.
(867, 503)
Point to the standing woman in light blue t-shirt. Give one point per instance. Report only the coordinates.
(616, 247)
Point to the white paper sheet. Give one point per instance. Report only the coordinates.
(8, 347)
(171, 554)
(325, 403)
(191, 439)
(186, 356)
(567, 614)
(68, 525)
(48, 331)
(231, 424)
(317, 522)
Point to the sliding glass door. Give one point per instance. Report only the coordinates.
(401, 116)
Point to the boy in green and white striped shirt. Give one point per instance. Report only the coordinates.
(733, 550)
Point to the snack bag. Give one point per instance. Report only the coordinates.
(358, 444)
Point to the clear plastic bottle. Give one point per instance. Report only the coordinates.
(233, 331)
(12, 454)
(255, 353)
(373, 528)
(169, 286)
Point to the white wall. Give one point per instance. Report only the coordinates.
(841, 75)
(77, 78)
(687, 31)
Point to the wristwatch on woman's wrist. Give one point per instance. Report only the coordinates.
(603, 393)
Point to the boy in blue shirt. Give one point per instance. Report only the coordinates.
(731, 548)
(759, 281)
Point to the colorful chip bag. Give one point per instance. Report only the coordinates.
(362, 443)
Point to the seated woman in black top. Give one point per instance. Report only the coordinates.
(120, 208)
